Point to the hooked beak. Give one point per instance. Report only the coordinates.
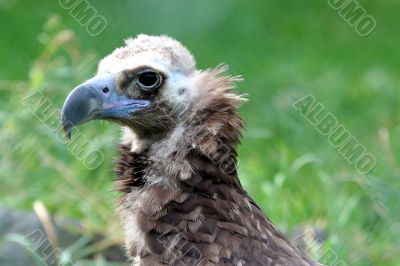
(97, 98)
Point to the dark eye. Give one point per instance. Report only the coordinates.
(149, 80)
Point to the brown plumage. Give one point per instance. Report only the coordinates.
(182, 202)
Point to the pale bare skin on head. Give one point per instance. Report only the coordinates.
(162, 54)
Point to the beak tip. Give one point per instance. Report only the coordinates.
(68, 134)
(67, 127)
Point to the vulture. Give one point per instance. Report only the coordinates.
(181, 202)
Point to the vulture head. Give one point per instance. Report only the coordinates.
(146, 86)
(182, 202)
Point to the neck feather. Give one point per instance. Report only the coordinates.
(164, 181)
(211, 127)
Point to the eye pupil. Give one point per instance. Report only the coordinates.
(149, 79)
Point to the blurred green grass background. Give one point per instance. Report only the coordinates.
(284, 50)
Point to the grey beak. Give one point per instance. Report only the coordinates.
(97, 98)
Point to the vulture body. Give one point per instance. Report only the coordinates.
(182, 202)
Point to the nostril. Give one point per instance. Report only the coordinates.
(106, 89)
